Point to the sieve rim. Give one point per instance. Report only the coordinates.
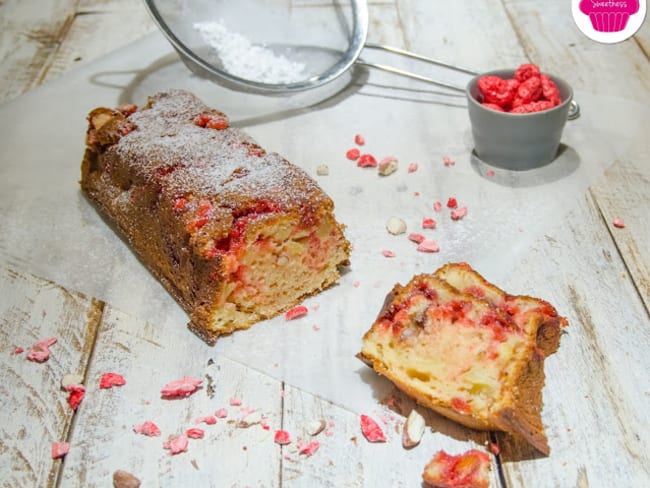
(360, 20)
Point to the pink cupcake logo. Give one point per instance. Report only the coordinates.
(609, 15)
(608, 21)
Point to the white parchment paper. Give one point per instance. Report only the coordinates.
(49, 229)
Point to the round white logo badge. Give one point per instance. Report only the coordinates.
(608, 21)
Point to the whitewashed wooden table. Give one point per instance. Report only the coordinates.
(597, 392)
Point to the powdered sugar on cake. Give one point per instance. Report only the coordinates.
(185, 163)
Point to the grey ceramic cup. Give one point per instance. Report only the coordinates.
(517, 141)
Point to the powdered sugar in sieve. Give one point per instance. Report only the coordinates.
(240, 57)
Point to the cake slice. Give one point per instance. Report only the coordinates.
(461, 356)
(537, 318)
(234, 233)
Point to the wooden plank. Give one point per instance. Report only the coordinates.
(346, 458)
(384, 25)
(642, 37)
(443, 32)
(543, 33)
(246, 456)
(574, 390)
(549, 37)
(31, 33)
(127, 7)
(440, 32)
(597, 391)
(625, 193)
(106, 417)
(148, 357)
(34, 408)
(43, 40)
(95, 33)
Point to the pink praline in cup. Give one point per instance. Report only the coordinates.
(609, 15)
(516, 141)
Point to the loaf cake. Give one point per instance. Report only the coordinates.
(234, 233)
(462, 347)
